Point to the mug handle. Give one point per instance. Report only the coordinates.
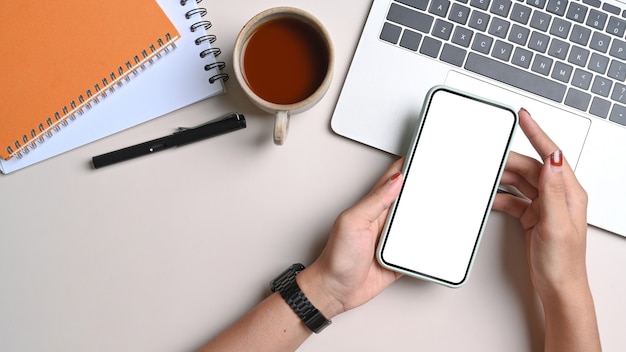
(281, 125)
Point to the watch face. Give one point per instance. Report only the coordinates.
(285, 276)
(296, 268)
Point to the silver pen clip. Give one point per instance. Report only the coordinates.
(217, 119)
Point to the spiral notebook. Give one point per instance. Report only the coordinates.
(59, 58)
(184, 76)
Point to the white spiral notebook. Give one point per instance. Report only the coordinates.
(184, 76)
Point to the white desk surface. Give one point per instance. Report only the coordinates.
(163, 252)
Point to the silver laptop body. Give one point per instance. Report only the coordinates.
(564, 61)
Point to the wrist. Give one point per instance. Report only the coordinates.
(313, 284)
(570, 320)
(564, 297)
(563, 285)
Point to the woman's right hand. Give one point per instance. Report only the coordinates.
(554, 217)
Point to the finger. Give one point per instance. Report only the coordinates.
(537, 137)
(527, 168)
(395, 167)
(510, 178)
(510, 204)
(377, 202)
(553, 190)
(372, 206)
(546, 147)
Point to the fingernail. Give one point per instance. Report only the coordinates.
(524, 110)
(556, 159)
(395, 177)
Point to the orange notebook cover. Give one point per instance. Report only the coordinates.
(59, 58)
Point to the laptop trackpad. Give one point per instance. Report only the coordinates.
(567, 130)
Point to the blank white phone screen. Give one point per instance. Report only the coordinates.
(449, 183)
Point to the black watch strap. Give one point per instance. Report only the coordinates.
(288, 287)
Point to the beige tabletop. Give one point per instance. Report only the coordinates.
(162, 252)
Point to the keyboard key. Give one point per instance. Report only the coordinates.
(439, 7)
(482, 43)
(601, 86)
(542, 65)
(582, 79)
(562, 72)
(557, 7)
(594, 3)
(576, 12)
(516, 77)
(520, 13)
(600, 42)
(522, 57)
(558, 49)
(539, 42)
(598, 63)
(580, 35)
(540, 21)
(619, 93)
(578, 56)
(410, 18)
(418, 4)
(430, 47)
(502, 50)
(411, 40)
(618, 49)
(390, 33)
(600, 107)
(597, 19)
(500, 7)
(462, 36)
(481, 4)
(519, 35)
(618, 114)
(453, 55)
(537, 3)
(560, 28)
(459, 13)
(617, 70)
(616, 26)
(611, 8)
(499, 27)
(442, 29)
(479, 20)
(577, 99)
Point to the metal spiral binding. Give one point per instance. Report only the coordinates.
(83, 102)
(210, 38)
(210, 51)
(184, 2)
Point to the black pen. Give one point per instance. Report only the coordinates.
(227, 123)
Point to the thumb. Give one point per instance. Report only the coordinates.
(372, 206)
(552, 187)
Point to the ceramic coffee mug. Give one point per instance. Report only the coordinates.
(283, 59)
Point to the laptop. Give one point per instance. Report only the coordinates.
(564, 61)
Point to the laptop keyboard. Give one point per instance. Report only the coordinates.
(569, 52)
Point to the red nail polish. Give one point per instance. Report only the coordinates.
(556, 159)
(395, 176)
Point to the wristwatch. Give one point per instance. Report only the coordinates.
(288, 288)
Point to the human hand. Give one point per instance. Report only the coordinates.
(554, 216)
(347, 274)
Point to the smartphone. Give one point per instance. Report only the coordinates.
(451, 176)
